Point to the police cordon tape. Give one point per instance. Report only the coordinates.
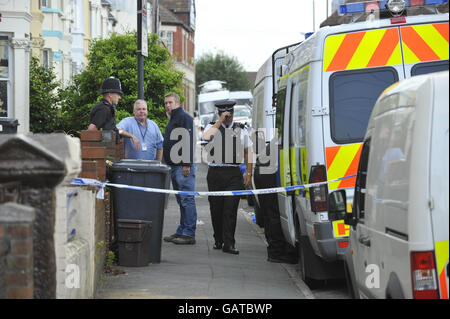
(93, 182)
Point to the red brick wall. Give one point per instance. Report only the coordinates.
(178, 46)
(18, 277)
(95, 151)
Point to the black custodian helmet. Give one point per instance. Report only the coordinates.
(111, 85)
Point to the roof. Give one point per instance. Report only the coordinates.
(168, 17)
(177, 5)
(169, 10)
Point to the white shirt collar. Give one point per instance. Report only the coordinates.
(230, 126)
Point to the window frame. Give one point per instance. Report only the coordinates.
(279, 116)
(168, 41)
(360, 185)
(7, 79)
(425, 64)
(46, 61)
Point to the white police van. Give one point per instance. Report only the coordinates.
(329, 86)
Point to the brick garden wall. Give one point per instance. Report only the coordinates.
(16, 231)
(16, 251)
(97, 148)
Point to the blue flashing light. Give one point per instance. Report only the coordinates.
(383, 4)
(359, 7)
(431, 2)
(351, 8)
(308, 34)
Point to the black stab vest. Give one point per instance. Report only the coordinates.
(235, 143)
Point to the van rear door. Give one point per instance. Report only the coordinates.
(425, 48)
(357, 68)
(439, 180)
(284, 170)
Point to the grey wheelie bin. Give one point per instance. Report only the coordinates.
(141, 205)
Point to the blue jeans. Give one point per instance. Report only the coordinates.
(188, 210)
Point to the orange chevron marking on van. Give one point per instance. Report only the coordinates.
(342, 161)
(362, 49)
(422, 43)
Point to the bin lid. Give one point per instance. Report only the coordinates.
(9, 121)
(140, 165)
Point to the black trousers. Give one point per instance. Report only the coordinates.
(268, 204)
(224, 208)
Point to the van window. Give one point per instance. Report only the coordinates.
(360, 187)
(259, 109)
(352, 97)
(281, 99)
(207, 107)
(249, 102)
(300, 94)
(430, 67)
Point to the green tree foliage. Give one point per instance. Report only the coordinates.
(223, 68)
(44, 110)
(117, 57)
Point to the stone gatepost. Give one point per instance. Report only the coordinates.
(34, 165)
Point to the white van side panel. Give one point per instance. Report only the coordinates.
(420, 230)
(439, 172)
(386, 203)
(397, 217)
(439, 179)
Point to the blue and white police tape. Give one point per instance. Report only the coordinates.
(93, 182)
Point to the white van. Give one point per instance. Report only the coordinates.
(324, 101)
(242, 97)
(211, 92)
(264, 93)
(399, 237)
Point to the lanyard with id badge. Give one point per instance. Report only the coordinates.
(144, 145)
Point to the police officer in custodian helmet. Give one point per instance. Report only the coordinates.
(103, 114)
(229, 145)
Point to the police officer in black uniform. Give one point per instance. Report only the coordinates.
(103, 114)
(278, 249)
(227, 140)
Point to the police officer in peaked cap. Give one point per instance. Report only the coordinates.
(103, 114)
(229, 145)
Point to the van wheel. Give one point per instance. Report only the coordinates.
(348, 281)
(302, 268)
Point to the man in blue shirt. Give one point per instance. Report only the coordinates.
(179, 155)
(146, 131)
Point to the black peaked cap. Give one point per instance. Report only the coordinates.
(225, 105)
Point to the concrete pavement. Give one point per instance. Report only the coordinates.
(199, 271)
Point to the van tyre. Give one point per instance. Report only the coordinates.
(348, 281)
(303, 254)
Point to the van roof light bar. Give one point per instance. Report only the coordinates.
(396, 7)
